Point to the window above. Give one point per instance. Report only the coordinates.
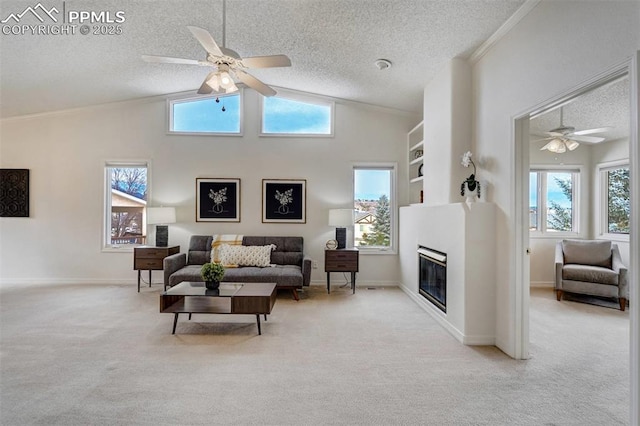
(296, 115)
(206, 115)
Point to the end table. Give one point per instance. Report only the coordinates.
(149, 258)
(341, 260)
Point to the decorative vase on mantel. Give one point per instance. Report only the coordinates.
(212, 285)
(470, 188)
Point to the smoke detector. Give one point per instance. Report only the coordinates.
(382, 64)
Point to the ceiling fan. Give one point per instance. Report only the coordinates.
(566, 137)
(227, 64)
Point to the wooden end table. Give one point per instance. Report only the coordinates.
(341, 260)
(149, 258)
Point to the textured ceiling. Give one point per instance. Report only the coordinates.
(606, 106)
(332, 45)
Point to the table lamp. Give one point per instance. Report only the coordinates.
(161, 216)
(341, 219)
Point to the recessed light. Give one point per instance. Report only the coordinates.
(382, 64)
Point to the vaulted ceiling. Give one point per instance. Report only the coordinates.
(332, 45)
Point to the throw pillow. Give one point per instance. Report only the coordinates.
(246, 255)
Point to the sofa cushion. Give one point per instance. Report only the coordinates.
(589, 273)
(587, 252)
(199, 250)
(282, 275)
(231, 255)
(289, 250)
(188, 273)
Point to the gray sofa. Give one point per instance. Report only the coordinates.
(592, 267)
(292, 268)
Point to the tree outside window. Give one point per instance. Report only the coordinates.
(373, 204)
(618, 204)
(552, 201)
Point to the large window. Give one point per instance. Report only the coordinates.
(206, 115)
(126, 189)
(374, 199)
(553, 201)
(616, 206)
(296, 115)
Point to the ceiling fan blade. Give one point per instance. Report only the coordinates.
(206, 40)
(590, 131)
(267, 61)
(168, 60)
(540, 140)
(588, 139)
(254, 83)
(205, 88)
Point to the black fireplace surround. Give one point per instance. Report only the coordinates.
(432, 276)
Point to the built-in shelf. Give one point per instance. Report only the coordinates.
(415, 159)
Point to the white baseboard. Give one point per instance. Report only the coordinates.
(548, 284)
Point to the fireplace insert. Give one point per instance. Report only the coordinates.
(432, 276)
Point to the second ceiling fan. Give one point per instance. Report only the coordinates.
(566, 137)
(227, 64)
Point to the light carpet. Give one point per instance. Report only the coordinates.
(104, 355)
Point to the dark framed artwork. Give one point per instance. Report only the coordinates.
(217, 200)
(284, 200)
(14, 192)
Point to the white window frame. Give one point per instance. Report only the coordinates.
(106, 210)
(299, 97)
(576, 208)
(393, 168)
(190, 98)
(603, 199)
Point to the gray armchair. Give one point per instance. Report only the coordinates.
(592, 267)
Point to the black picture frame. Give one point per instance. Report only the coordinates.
(284, 200)
(217, 200)
(14, 192)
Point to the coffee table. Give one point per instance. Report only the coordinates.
(231, 298)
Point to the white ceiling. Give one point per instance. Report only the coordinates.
(605, 106)
(332, 45)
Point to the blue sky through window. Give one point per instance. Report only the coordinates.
(554, 192)
(281, 115)
(206, 115)
(370, 184)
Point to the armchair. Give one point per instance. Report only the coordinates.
(592, 267)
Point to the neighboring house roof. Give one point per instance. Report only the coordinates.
(364, 217)
(122, 199)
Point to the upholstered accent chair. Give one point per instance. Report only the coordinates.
(592, 267)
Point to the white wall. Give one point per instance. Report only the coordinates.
(555, 48)
(447, 133)
(61, 240)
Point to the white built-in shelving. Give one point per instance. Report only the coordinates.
(415, 152)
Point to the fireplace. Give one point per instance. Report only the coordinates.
(432, 276)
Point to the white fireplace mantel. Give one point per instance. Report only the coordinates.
(466, 233)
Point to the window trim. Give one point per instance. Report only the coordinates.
(299, 97)
(171, 101)
(393, 167)
(576, 200)
(602, 199)
(106, 206)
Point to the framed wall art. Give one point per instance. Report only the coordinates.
(217, 200)
(284, 200)
(14, 192)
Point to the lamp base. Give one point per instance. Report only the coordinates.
(341, 237)
(162, 236)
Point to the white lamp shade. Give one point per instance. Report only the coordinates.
(161, 215)
(341, 218)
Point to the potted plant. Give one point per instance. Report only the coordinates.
(470, 187)
(212, 273)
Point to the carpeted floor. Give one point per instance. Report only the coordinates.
(104, 355)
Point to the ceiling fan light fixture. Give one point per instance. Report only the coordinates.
(571, 144)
